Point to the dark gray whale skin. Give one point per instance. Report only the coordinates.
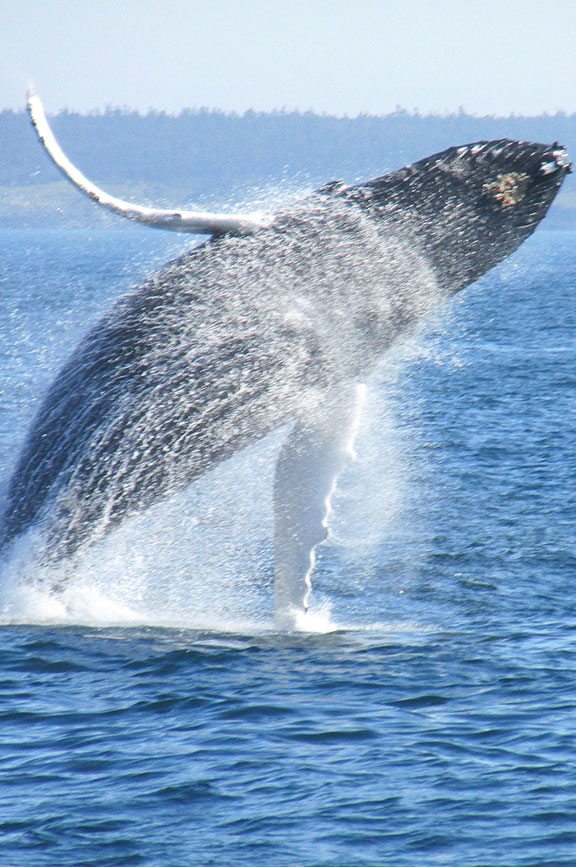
(243, 334)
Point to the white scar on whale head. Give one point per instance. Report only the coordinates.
(277, 319)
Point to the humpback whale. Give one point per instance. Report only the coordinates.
(275, 320)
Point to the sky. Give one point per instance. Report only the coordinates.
(341, 57)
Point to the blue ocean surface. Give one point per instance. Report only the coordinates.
(426, 713)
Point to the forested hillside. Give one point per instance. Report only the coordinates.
(209, 157)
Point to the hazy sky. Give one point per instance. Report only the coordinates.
(335, 56)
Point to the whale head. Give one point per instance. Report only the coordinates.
(469, 207)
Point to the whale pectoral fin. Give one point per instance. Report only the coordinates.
(309, 463)
(177, 220)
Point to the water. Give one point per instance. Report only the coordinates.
(155, 716)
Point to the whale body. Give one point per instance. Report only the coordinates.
(272, 324)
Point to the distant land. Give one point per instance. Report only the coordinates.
(208, 158)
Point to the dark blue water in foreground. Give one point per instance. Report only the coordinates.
(427, 717)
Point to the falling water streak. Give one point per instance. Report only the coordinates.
(360, 396)
(360, 393)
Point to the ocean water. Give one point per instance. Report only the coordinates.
(425, 714)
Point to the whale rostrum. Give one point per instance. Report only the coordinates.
(272, 321)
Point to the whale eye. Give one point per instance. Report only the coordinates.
(509, 189)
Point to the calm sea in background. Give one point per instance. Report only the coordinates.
(154, 715)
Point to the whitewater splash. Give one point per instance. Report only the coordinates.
(203, 559)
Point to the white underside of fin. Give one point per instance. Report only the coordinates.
(194, 222)
(315, 453)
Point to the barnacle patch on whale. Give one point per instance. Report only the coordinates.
(508, 189)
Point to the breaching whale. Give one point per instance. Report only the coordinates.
(276, 319)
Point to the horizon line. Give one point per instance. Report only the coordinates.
(399, 111)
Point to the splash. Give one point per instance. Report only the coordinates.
(200, 559)
(203, 559)
(317, 620)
